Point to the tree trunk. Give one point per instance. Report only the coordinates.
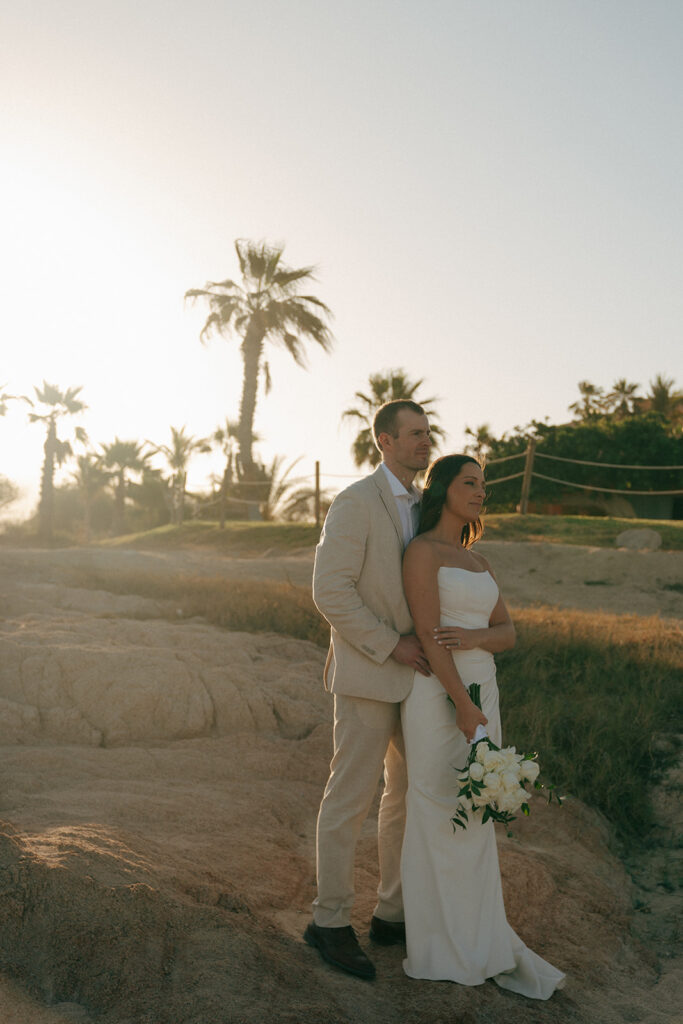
(119, 503)
(180, 511)
(252, 350)
(47, 490)
(223, 498)
(87, 503)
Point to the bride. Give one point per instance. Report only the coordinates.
(455, 918)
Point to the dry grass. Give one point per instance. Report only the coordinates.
(592, 531)
(249, 605)
(598, 695)
(249, 538)
(255, 538)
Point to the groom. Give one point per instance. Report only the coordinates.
(373, 655)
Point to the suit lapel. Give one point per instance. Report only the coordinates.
(389, 501)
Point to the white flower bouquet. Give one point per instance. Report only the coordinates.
(494, 779)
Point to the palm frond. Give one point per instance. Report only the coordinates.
(240, 244)
(62, 450)
(294, 347)
(227, 285)
(285, 277)
(273, 256)
(364, 450)
(319, 303)
(351, 413)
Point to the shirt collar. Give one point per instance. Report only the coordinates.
(397, 488)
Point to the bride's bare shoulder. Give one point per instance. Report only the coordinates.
(481, 561)
(421, 550)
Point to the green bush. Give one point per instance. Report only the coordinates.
(644, 440)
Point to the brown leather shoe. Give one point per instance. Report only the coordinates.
(387, 933)
(339, 946)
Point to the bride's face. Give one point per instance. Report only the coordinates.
(466, 493)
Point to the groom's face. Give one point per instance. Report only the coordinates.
(411, 446)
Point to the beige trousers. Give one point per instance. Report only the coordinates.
(367, 738)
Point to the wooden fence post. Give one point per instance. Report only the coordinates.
(317, 493)
(526, 479)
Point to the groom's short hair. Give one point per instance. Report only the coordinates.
(387, 415)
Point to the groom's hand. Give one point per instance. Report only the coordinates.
(408, 651)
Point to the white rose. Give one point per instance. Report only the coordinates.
(493, 760)
(512, 801)
(482, 747)
(511, 758)
(492, 785)
(506, 802)
(509, 782)
(529, 770)
(476, 771)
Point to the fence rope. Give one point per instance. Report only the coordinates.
(608, 465)
(592, 487)
(230, 501)
(502, 479)
(342, 476)
(504, 458)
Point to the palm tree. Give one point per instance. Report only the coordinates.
(9, 492)
(177, 455)
(591, 403)
(90, 478)
(384, 387)
(284, 492)
(483, 439)
(5, 398)
(59, 404)
(267, 306)
(225, 437)
(664, 398)
(622, 399)
(122, 457)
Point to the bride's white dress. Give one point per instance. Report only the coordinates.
(455, 918)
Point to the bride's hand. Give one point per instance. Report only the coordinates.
(467, 719)
(455, 638)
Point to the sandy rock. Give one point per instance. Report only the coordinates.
(109, 681)
(162, 781)
(171, 884)
(639, 540)
(17, 721)
(102, 603)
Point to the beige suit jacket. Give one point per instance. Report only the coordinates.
(357, 586)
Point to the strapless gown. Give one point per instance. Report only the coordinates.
(455, 918)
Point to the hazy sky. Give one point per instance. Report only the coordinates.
(490, 190)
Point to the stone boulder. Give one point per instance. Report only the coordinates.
(639, 540)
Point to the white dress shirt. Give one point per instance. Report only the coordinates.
(408, 504)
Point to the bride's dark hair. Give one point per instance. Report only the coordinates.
(440, 476)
